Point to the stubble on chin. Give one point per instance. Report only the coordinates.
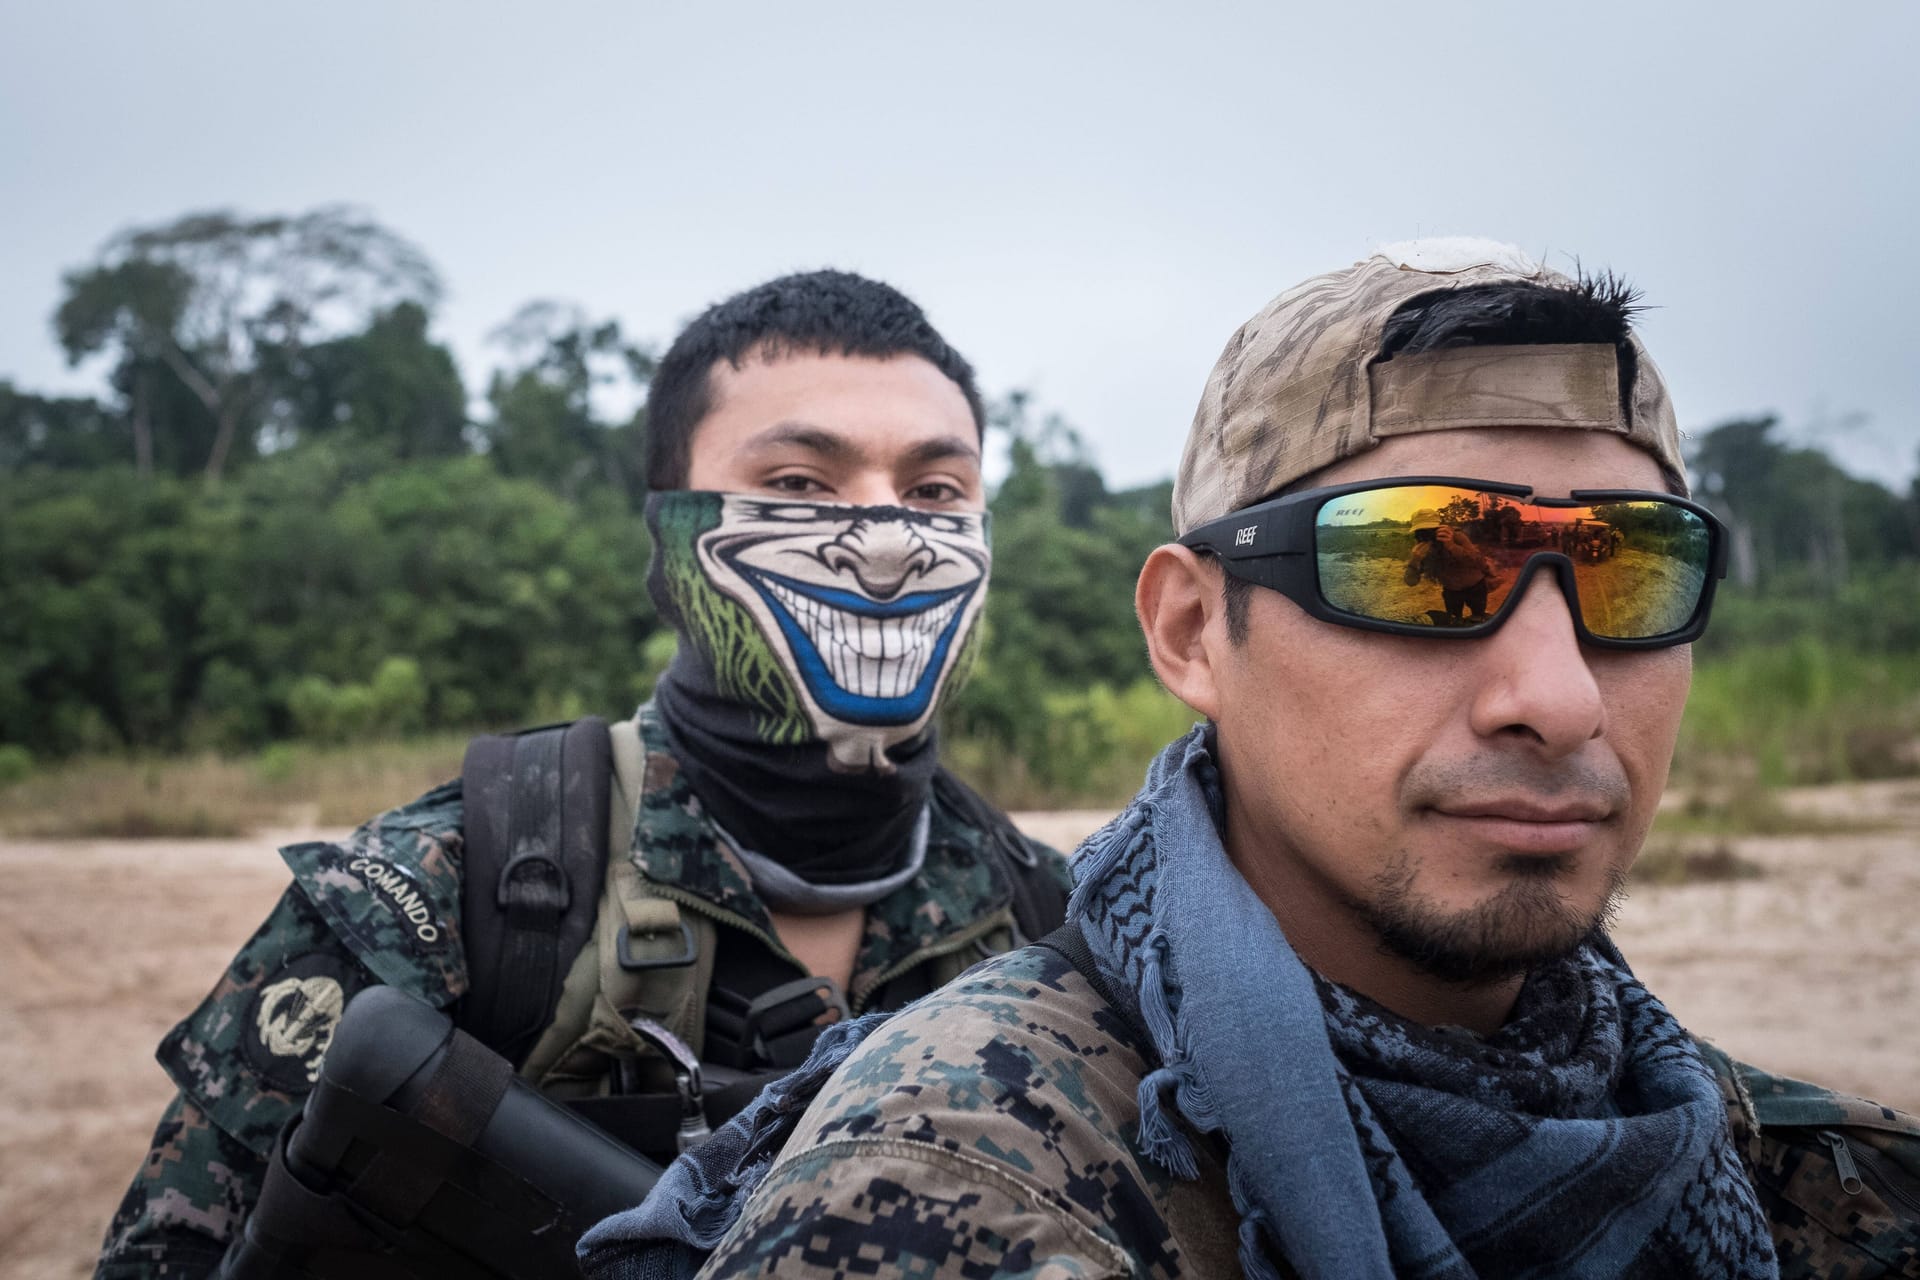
(1528, 923)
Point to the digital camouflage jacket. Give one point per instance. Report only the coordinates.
(990, 1131)
(383, 907)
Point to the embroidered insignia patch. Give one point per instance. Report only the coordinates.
(416, 923)
(291, 1021)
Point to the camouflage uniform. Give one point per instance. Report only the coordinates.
(990, 1130)
(384, 908)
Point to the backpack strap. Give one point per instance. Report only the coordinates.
(535, 820)
(1039, 899)
(1070, 942)
(646, 957)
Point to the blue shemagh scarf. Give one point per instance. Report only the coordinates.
(1586, 1138)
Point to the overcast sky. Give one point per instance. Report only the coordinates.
(1087, 198)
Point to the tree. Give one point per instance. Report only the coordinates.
(391, 387)
(545, 425)
(62, 432)
(1065, 554)
(203, 298)
(1460, 511)
(1793, 509)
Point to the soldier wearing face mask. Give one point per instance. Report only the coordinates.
(787, 850)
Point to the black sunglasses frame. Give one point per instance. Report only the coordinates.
(1271, 544)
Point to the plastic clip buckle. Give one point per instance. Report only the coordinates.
(757, 1012)
(623, 952)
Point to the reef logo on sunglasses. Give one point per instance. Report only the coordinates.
(1443, 556)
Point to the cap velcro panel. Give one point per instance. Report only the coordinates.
(1551, 385)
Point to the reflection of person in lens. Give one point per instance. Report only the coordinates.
(1443, 554)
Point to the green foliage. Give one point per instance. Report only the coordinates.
(203, 793)
(391, 704)
(151, 612)
(656, 655)
(220, 308)
(1088, 748)
(278, 762)
(1794, 514)
(1875, 611)
(1060, 606)
(64, 432)
(543, 425)
(16, 764)
(1098, 740)
(1801, 712)
(1460, 510)
(375, 564)
(389, 387)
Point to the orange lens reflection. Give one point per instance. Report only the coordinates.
(1437, 555)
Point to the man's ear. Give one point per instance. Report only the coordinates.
(1182, 611)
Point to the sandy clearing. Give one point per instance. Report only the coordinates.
(1812, 970)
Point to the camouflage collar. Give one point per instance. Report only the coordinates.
(676, 845)
(957, 890)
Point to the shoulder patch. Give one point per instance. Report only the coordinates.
(391, 892)
(399, 889)
(292, 1018)
(246, 1057)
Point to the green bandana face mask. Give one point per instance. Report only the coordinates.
(834, 623)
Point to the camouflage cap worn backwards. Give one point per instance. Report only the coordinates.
(1299, 386)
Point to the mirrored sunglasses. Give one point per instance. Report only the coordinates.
(1441, 556)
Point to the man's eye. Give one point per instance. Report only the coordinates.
(796, 484)
(935, 491)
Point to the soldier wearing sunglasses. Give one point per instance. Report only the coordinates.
(1336, 997)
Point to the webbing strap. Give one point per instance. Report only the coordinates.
(456, 1102)
(1069, 941)
(532, 889)
(650, 1122)
(464, 1089)
(535, 820)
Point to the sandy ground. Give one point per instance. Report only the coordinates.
(1812, 970)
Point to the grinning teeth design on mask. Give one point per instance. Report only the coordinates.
(875, 655)
(866, 608)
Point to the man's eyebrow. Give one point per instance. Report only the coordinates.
(943, 448)
(834, 447)
(804, 436)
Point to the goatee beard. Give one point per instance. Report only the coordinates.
(1527, 924)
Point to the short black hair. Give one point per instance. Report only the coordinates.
(1508, 314)
(808, 313)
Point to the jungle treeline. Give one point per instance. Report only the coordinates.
(291, 518)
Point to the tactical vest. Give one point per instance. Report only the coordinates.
(600, 985)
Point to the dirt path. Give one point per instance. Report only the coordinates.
(1812, 969)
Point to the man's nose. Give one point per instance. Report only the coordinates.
(1536, 680)
(873, 488)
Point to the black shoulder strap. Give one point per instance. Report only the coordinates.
(1039, 901)
(1070, 942)
(536, 814)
